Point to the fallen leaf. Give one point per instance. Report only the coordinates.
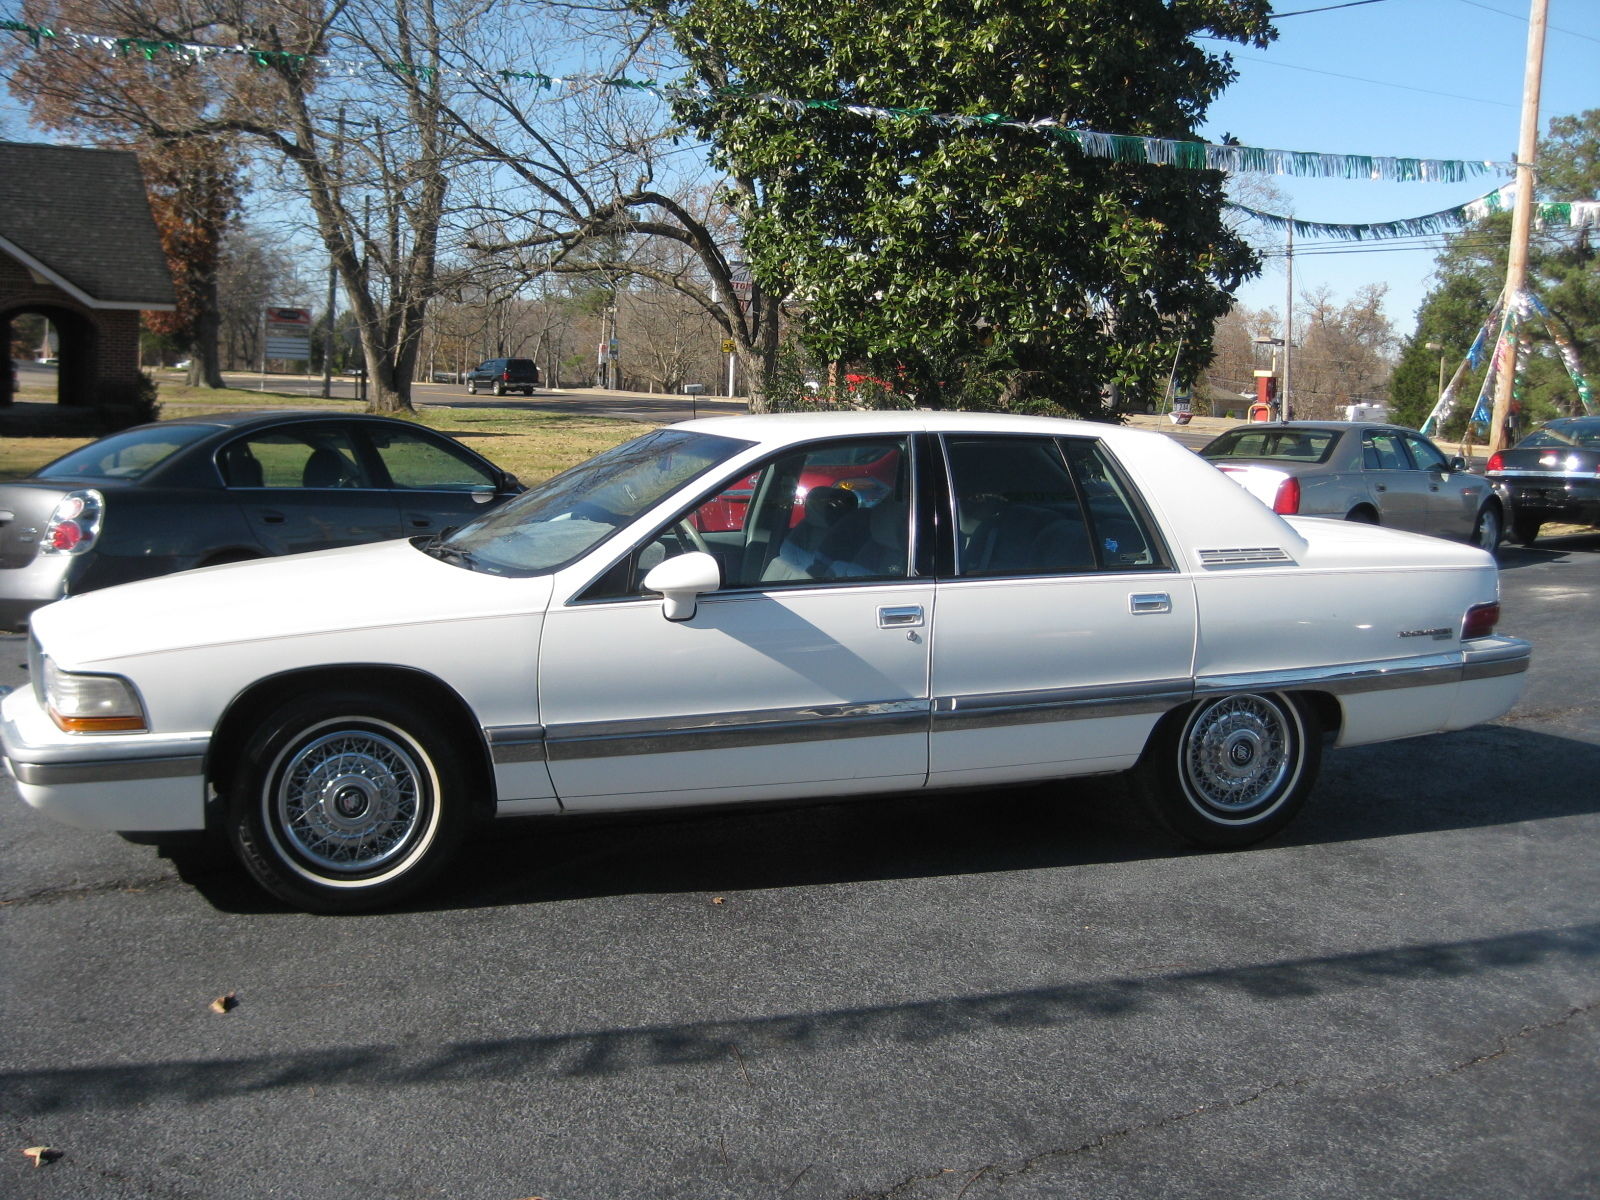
(718, 900)
(225, 1003)
(42, 1155)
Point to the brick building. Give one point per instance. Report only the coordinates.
(79, 247)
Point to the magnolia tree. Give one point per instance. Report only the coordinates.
(979, 264)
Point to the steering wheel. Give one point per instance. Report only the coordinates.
(687, 533)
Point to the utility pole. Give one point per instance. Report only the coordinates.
(1521, 218)
(1285, 410)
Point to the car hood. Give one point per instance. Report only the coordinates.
(381, 585)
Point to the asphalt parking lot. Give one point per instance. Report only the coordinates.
(997, 994)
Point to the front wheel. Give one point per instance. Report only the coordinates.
(472, 388)
(1231, 770)
(347, 802)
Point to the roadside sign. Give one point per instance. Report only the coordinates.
(288, 333)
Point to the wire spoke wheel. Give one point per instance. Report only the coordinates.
(346, 802)
(1231, 770)
(350, 801)
(1236, 754)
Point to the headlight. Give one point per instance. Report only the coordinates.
(91, 703)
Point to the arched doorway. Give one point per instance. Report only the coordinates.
(77, 366)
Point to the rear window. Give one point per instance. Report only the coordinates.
(131, 454)
(1566, 433)
(1274, 442)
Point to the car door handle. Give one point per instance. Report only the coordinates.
(903, 617)
(1149, 602)
(271, 517)
(420, 520)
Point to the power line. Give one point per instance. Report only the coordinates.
(1277, 16)
(1524, 20)
(1404, 87)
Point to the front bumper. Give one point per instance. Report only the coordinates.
(126, 782)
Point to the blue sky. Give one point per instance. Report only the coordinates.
(1412, 78)
(1415, 78)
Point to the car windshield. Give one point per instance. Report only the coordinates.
(1565, 433)
(1283, 443)
(562, 519)
(131, 454)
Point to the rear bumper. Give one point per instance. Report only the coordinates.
(144, 782)
(23, 589)
(1575, 501)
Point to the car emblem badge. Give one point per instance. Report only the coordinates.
(350, 801)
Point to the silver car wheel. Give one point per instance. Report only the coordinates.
(350, 801)
(1240, 757)
(1486, 534)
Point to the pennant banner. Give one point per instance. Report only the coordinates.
(1575, 214)
(1512, 319)
(1119, 147)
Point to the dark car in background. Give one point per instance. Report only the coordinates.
(1360, 471)
(202, 491)
(502, 375)
(1553, 474)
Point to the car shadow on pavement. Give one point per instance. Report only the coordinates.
(545, 1056)
(1572, 546)
(1486, 776)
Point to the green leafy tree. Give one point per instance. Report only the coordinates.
(980, 266)
(1563, 270)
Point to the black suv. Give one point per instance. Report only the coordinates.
(502, 375)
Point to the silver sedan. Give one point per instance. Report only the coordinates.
(1357, 471)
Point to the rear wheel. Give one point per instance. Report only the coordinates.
(1487, 532)
(346, 802)
(1231, 770)
(499, 388)
(1362, 515)
(1524, 530)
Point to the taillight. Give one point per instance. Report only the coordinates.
(1480, 620)
(75, 523)
(1287, 499)
(1495, 463)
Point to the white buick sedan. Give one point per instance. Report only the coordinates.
(759, 608)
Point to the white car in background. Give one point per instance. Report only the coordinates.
(902, 601)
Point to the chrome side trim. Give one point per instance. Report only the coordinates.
(111, 770)
(731, 731)
(510, 744)
(1498, 656)
(949, 714)
(983, 711)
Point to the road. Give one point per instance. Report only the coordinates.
(964, 996)
(597, 402)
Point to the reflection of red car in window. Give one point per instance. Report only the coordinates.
(868, 471)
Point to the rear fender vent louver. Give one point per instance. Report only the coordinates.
(1244, 556)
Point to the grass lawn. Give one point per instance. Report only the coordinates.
(531, 445)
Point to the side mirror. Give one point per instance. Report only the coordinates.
(1458, 464)
(682, 581)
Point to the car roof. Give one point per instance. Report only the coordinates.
(249, 420)
(784, 427)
